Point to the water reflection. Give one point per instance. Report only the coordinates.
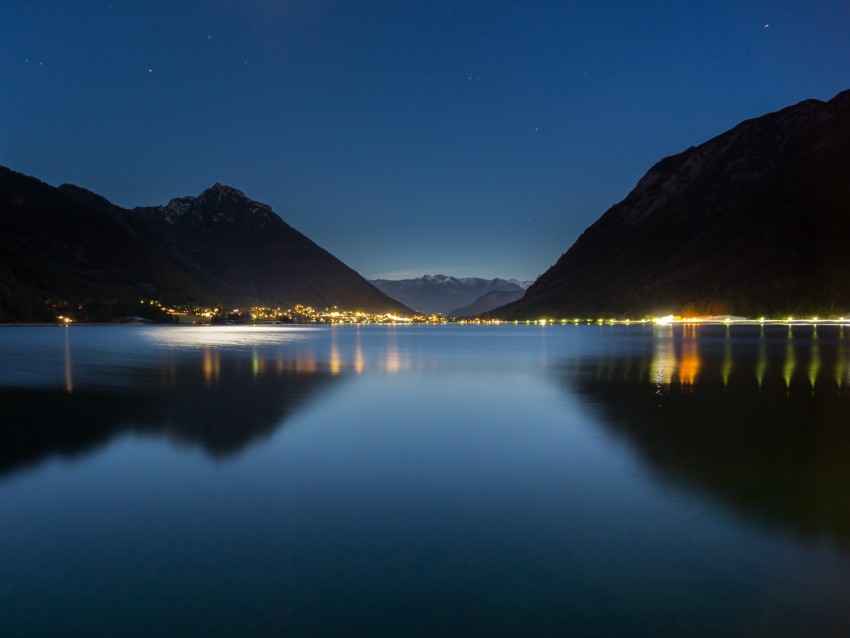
(814, 359)
(358, 353)
(224, 336)
(790, 360)
(335, 359)
(690, 361)
(663, 356)
(69, 379)
(219, 388)
(393, 358)
(451, 488)
(684, 356)
(757, 420)
(211, 399)
(211, 367)
(728, 360)
(761, 362)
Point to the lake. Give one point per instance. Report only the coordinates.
(425, 480)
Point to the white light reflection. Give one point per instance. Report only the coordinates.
(663, 356)
(225, 336)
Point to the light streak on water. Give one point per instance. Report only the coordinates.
(225, 336)
(728, 360)
(69, 380)
(790, 360)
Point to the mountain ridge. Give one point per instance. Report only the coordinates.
(441, 294)
(68, 247)
(751, 222)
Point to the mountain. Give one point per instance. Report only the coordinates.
(486, 302)
(68, 248)
(245, 245)
(753, 222)
(56, 252)
(442, 293)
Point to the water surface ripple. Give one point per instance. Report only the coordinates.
(425, 480)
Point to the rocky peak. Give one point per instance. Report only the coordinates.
(216, 204)
(220, 191)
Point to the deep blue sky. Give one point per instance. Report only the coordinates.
(406, 137)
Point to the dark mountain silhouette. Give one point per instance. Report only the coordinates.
(244, 244)
(487, 302)
(58, 251)
(761, 431)
(70, 248)
(442, 293)
(220, 408)
(753, 222)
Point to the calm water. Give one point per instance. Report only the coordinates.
(422, 481)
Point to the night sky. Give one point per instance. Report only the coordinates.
(468, 138)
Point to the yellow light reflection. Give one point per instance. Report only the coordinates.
(393, 359)
(814, 359)
(689, 363)
(790, 360)
(305, 362)
(761, 362)
(69, 380)
(358, 354)
(335, 362)
(211, 366)
(728, 361)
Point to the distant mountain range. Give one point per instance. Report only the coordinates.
(69, 248)
(442, 294)
(753, 222)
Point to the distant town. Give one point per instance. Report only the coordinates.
(296, 314)
(301, 314)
